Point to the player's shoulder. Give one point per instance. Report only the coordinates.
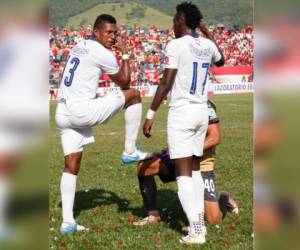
(207, 42)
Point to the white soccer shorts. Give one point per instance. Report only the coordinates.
(187, 127)
(76, 127)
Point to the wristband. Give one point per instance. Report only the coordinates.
(125, 57)
(150, 114)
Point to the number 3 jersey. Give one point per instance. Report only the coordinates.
(88, 60)
(191, 56)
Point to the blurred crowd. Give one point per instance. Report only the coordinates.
(147, 48)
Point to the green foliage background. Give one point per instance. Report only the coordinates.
(215, 11)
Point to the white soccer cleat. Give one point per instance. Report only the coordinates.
(149, 220)
(137, 155)
(187, 229)
(192, 239)
(232, 206)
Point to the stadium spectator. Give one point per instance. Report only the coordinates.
(147, 48)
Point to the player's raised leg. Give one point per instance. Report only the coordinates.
(133, 115)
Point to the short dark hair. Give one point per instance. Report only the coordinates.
(192, 14)
(104, 18)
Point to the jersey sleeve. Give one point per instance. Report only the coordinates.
(108, 62)
(216, 56)
(172, 56)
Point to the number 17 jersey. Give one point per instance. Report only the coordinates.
(191, 56)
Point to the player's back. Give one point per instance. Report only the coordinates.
(82, 71)
(193, 58)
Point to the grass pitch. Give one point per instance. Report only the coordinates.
(108, 198)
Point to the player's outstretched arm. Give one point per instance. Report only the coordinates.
(161, 92)
(213, 136)
(122, 78)
(209, 36)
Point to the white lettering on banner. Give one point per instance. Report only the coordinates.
(214, 88)
(232, 88)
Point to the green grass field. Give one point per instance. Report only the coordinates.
(152, 16)
(108, 199)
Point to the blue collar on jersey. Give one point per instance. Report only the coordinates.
(92, 37)
(194, 35)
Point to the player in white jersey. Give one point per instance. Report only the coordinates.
(188, 59)
(79, 109)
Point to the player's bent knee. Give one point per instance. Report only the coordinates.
(132, 96)
(140, 168)
(72, 163)
(215, 218)
(137, 95)
(71, 169)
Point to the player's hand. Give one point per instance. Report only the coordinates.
(121, 46)
(147, 127)
(204, 29)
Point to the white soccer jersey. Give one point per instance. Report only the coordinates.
(87, 62)
(191, 57)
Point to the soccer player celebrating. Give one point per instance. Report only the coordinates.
(187, 63)
(164, 167)
(79, 109)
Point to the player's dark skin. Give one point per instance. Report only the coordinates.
(106, 35)
(155, 166)
(184, 166)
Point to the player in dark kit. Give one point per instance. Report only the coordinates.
(161, 165)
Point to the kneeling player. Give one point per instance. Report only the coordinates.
(161, 165)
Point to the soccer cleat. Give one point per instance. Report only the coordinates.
(187, 229)
(138, 155)
(72, 228)
(192, 239)
(232, 206)
(149, 220)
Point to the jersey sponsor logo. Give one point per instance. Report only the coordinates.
(200, 52)
(80, 51)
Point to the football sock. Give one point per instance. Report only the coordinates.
(133, 116)
(67, 189)
(199, 192)
(4, 192)
(188, 201)
(148, 191)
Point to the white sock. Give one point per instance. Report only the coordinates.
(199, 192)
(133, 116)
(187, 198)
(4, 193)
(67, 189)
